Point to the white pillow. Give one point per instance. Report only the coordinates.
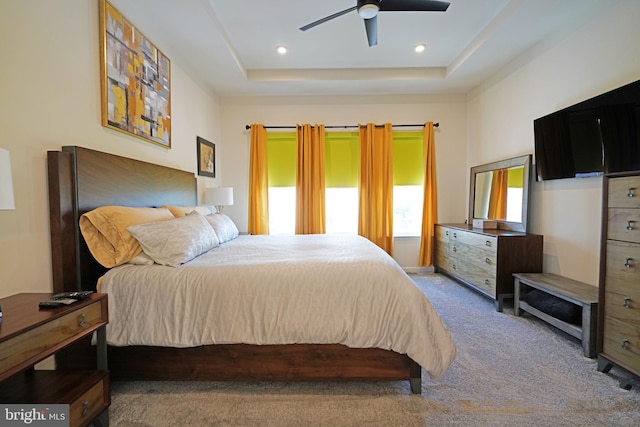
(223, 226)
(176, 241)
(141, 259)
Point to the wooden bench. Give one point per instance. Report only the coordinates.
(570, 290)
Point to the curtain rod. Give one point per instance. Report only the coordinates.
(435, 125)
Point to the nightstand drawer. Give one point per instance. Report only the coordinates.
(49, 337)
(87, 393)
(90, 404)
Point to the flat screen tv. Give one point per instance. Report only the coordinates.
(597, 136)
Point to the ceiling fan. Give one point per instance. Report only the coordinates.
(368, 10)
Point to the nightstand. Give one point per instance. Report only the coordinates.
(29, 335)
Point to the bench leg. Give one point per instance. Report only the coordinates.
(516, 296)
(589, 328)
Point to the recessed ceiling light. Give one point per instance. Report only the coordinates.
(420, 47)
(281, 50)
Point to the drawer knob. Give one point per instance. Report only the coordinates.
(85, 408)
(487, 260)
(455, 249)
(486, 282)
(82, 320)
(630, 192)
(627, 302)
(455, 235)
(446, 233)
(454, 266)
(625, 344)
(488, 243)
(627, 262)
(629, 225)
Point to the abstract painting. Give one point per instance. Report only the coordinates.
(135, 80)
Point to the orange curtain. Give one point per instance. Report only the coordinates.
(258, 182)
(375, 216)
(430, 202)
(498, 197)
(310, 207)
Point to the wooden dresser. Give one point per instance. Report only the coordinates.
(619, 313)
(29, 335)
(486, 259)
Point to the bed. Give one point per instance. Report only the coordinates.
(280, 347)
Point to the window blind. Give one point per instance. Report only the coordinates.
(342, 159)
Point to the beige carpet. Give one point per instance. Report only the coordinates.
(509, 371)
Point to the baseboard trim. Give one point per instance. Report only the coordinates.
(418, 270)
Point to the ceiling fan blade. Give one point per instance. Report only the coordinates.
(413, 5)
(327, 18)
(371, 26)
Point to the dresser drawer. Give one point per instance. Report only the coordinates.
(478, 256)
(481, 278)
(47, 337)
(442, 260)
(442, 234)
(624, 192)
(624, 224)
(482, 241)
(623, 261)
(621, 342)
(622, 301)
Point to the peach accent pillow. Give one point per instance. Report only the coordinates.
(105, 231)
(180, 211)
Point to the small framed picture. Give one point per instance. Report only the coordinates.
(206, 158)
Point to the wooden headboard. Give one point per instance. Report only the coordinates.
(81, 180)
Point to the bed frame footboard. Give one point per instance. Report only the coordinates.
(243, 362)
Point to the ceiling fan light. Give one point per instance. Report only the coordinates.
(368, 11)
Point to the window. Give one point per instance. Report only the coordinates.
(281, 158)
(341, 175)
(408, 178)
(342, 159)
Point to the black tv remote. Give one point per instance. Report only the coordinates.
(79, 295)
(64, 298)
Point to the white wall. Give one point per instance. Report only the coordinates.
(450, 138)
(50, 86)
(49, 81)
(594, 57)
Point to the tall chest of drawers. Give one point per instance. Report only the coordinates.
(619, 308)
(486, 259)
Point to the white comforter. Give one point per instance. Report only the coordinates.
(279, 290)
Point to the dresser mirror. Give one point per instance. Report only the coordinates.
(499, 192)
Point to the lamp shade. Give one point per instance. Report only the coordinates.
(219, 196)
(6, 183)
